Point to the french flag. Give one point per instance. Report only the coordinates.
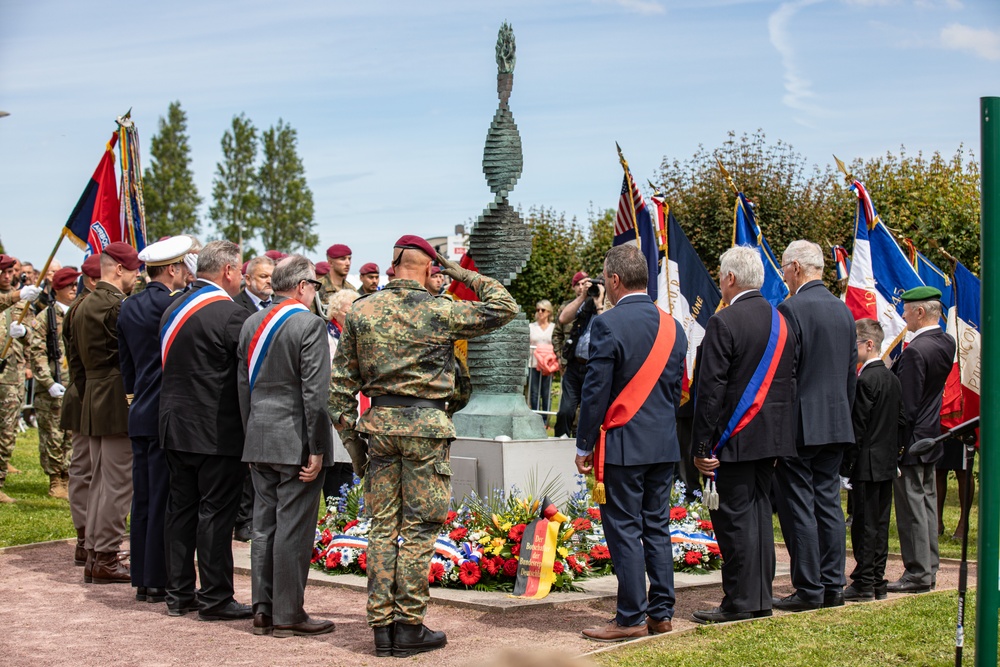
(966, 320)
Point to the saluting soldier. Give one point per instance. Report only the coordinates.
(405, 338)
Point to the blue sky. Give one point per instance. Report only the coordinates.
(392, 100)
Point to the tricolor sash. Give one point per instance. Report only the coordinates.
(261, 341)
(191, 305)
(634, 395)
(760, 383)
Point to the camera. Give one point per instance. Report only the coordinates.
(594, 290)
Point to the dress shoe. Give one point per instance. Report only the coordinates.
(231, 611)
(383, 640)
(903, 586)
(181, 610)
(140, 594)
(658, 627)
(109, 569)
(612, 632)
(833, 598)
(717, 615)
(857, 595)
(409, 640)
(794, 603)
(262, 624)
(4, 498)
(307, 628)
(242, 533)
(156, 594)
(80, 552)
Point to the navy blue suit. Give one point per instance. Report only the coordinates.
(639, 456)
(139, 355)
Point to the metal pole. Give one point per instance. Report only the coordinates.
(988, 570)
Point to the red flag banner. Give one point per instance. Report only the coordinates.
(96, 219)
(460, 290)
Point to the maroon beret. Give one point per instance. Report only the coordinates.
(338, 250)
(64, 277)
(417, 243)
(390, 272)
(243, 271)
(322, 268)
(92, 267)
(275, 255)
(6, 261)
(124, 254)
(578, 276)
(370, 267)
(435, 270)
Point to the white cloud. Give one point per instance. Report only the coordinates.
(983, 42)
(645, 7)
(798, 89)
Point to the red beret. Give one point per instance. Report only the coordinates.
(92, 267)
(124, 254)
(6, 261)
(64, 277)
(370, 267)
(390, 272)
(435, 270)
(243, 271)
(275, 255)
(338, 250)
(417, 243)
(578, 276)
(322, 268)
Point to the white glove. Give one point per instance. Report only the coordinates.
(56, 390)
(30, 293)
(191, 262)
(845, 483)
(17, 330)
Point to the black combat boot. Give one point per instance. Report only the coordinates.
(409, 640)
(383, 640)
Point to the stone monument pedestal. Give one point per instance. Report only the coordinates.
(481, 464)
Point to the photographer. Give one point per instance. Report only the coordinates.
(572, 343)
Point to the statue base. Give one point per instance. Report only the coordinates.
(491, 415)
(481, 466)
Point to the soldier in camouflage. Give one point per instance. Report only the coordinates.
(339, 258)
(398, 348)
(50, 369)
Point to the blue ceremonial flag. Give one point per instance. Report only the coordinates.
(746, 232)
(633, 217)
(933, 277)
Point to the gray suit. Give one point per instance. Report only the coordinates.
(285, 420)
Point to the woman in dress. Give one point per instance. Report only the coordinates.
(539, 334)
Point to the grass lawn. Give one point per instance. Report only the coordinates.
(35, 517)
(918, 630)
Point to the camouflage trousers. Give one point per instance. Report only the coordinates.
(54, 445)
(407, 491)
(11, 400)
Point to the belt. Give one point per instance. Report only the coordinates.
(390, 401)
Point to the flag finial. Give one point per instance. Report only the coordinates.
(725, 174)
(843, 168)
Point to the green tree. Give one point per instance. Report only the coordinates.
(601, 228)
(285, 215)
(233, 192)
(555, 249)
(170, 196)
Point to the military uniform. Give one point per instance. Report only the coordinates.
(55, 445)
(80, 469)
(398, 348)
(329, 289)
(12, 378)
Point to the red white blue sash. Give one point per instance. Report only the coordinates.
(192, 304)
(261, 341)
(760, 383)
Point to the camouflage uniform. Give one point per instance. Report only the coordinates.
(54, 444)
(400, 342)
(12, 379)
(328, 289)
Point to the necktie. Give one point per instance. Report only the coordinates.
(265, 303)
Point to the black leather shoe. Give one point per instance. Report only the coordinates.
(262, 624)
(242, 533)
(307, 628)
(383, 640)
(140, 594)
(232, 611)
(181, 610)
(834, 598)
(156, 594)
(717, 615)
(902, 586)
(855, 595)
(794, 603)
(409, 640)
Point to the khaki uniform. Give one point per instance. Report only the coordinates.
(12, 379)
(54, 443)
(399, 342)
(80, 470)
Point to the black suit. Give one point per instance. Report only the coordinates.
(807, 488)
(202, 430)
(733, 346)
(247, 302)
(871, 466)
(922, 370)
(639, 456)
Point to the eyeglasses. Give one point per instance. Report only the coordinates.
(862, 341)
(787, 264)
(315, 283)
(541, 310)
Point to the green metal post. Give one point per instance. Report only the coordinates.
(988, 566)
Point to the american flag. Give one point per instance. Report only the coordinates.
(625, 220)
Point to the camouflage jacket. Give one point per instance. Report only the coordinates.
(20, 348)
(42, 367)
(400, 341)
(329, 288)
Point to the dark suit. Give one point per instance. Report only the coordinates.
(639, 456)
(871, 466)
(202, 432)
(139, 351)
(733, 346)
(286, 421)
(247, 302)
(922, 370)
(244, 517)
(808, 484)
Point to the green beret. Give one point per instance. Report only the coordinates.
(922, 293)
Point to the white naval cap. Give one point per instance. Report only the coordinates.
(165, 252)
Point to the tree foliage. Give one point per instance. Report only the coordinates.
(555, 251)
(170, 196)
(285, 214)
(234, 194)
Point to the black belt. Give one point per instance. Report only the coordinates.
(390, 401)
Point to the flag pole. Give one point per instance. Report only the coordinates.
(665, 246)
(631, 200)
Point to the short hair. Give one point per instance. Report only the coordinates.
(629, 264)
(339, 298)
(215, 255)
(932, 307)
(869, 329)
(809, 255)
(155, 271)
(544, 304)
(743, 261)
(290, 271)
(257, 261)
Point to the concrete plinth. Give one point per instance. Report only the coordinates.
(480, 464)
